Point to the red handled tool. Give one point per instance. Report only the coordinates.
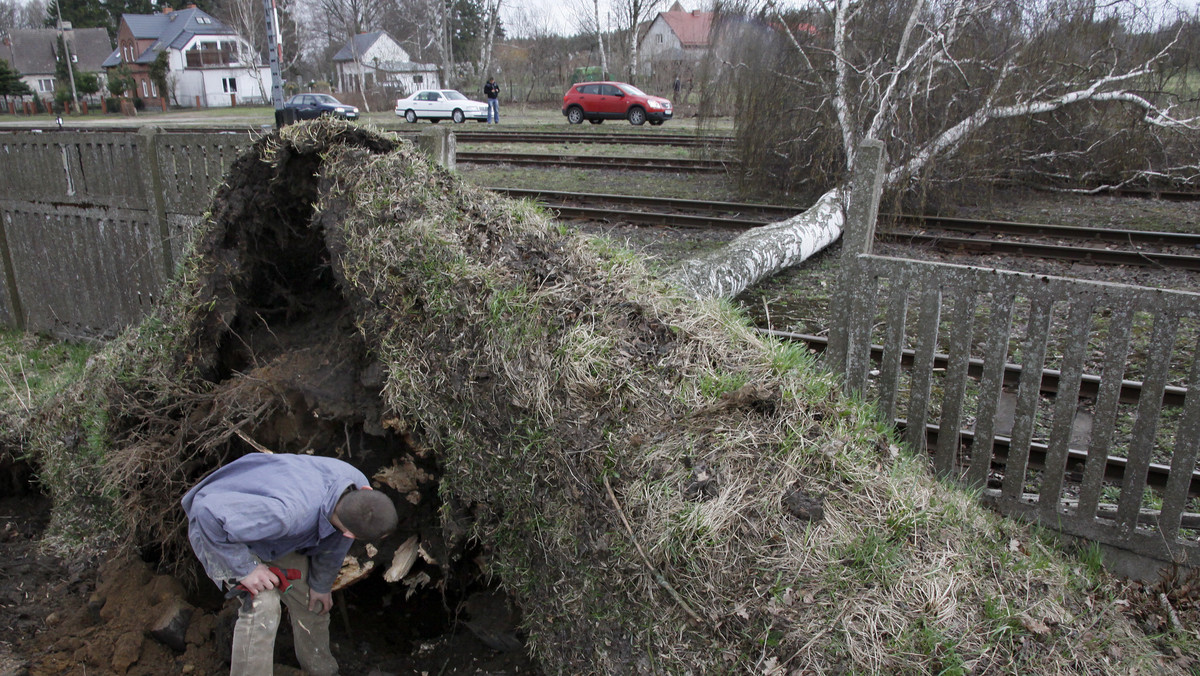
(285, 575)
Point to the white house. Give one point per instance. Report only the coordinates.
(676, 40)
(377, 60)
(209, 64)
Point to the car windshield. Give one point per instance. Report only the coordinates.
(630, 89)
(326, 98)
(453, 95)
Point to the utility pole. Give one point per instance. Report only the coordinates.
(275, 49)
(66, 53)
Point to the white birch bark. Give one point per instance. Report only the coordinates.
(763, 251)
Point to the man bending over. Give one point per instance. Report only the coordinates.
(282, 511)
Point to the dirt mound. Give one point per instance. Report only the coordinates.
(628, 481)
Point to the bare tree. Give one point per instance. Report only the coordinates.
(925, 77)
(19, 14)
(588, 20)
(491, 25)
(631, 14)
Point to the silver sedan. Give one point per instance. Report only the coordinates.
(440, 104)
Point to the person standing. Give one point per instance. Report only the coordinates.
(269, 512)
(492, 91)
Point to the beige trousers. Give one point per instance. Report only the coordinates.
(258, 620)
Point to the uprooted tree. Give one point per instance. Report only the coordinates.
(931, 79)
(657, 487)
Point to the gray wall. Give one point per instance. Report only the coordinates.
(91, 223)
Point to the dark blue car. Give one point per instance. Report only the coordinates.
(312, 106)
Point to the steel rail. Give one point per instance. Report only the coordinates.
(1125, 236)
(1036, 250)
(731, 209)
(599, 162)
(744, 216)
(1157, 474)
(1089, 389)
(1089, 386)
(676, 140)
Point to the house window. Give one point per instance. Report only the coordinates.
(229, 85)
(206, 54)
(659, 38)
(46, 84)
(418, 79)
(145, 88)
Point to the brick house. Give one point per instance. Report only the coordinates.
(210, 65)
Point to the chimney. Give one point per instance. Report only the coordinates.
(167, 10)
(190, 5)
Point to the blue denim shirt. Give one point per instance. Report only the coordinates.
(268, 505)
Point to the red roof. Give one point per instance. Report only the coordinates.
(691, 28)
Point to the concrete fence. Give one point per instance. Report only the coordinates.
(1071, 403)
(91, 223)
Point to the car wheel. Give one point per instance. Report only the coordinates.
(410, 116)
(637, 116)
(596, 121)
(458, 117)
(575, 115)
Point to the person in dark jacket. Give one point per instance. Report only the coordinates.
(492, 91)
(285, 511)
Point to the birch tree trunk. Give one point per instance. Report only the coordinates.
(763, 251)
(600, 39)
(491, 20)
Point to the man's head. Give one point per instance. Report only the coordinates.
(365, 514)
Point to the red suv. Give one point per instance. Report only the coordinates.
(600, 101)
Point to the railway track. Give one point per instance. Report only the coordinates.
(712, 142)
(1158, 473)
(463, 136)
(596, 162)
(651, 139)
(939, 233)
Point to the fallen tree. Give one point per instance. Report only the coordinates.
(657, 487)
(929, 79)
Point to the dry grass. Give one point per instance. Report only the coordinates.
(545, 369)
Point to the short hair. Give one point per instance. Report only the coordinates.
(369, 515)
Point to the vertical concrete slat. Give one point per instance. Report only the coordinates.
(928, 318)
(1183, 460)
(962, 325)
(1066, 402)
(1033, 357)
(893, 346)
(991, 384)
(1116, 351)
(1141, 443)
(13, 296)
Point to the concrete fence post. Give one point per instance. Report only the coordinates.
(862, 210)
(10, 277)
(152, 187)
(439, 143)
